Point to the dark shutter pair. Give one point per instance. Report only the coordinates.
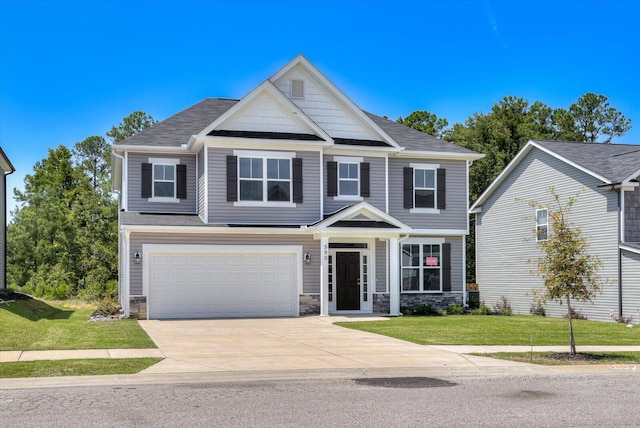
(147, 181)
(332, 179)
(441, 190)
(446, 267)
(232, 179)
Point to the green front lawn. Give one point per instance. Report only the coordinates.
(583, 358)
(499, 330)
(98, 366)
(28, 325)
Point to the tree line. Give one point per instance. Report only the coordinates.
(62, 240)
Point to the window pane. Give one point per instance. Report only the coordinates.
(245, 167)
(344, 170)
(256, 168)
(278, 191)
(353, 170)
(541, 217)
(410, 255)
(284, 169)
(250, 190)
(163, 189)
(425, 198)
(410, 279)
(431, 255)
(419, 177)
(431, 279)
(168, 172)
(158, 172)
(272, 168)
(542, 233)
(429, 178)
(348, 187)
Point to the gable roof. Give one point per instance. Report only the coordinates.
(609, 163)
(363, 214)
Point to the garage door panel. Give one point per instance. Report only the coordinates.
(222, 284)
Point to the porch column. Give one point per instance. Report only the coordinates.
(394, 273)
(324, 276)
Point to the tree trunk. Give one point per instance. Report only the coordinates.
(572, 340)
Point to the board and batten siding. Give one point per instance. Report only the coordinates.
(632, 215)
(223, 212)
(376, 186)
(310, 272)
(631, 285)
(505, 239)
(324, 108)
(134, 185)
(201, 185)
(454, 216)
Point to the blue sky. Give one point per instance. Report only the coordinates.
(72, 69)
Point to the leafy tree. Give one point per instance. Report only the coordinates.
(594, 117)
(130, 125)
(569, 272)
(426, 122)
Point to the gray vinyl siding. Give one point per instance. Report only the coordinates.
(201, 184)
(632, 215)
(310, 272)
(381, 266)
(505, 238)
(134, 184)
(453, 217)
(631, 284)
(223, 212)
(377, 184)
(458, 282)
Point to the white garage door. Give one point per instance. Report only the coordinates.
(221, 281)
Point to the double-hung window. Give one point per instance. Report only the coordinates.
(422, 267)
(348, 179)
(542, 224)
(164, 181)
(265, 177)
(424, 188)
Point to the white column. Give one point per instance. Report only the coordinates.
(324, 276)
(394, 274)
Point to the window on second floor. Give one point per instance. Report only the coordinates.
(542, 224)
(348, 178)
(424, 188)
(164, 180)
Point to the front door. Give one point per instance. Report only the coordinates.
(348, 281)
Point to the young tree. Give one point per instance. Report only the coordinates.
(569, 271)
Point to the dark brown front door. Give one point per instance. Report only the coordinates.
(348, 281)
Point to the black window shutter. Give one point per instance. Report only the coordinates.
(408, 187)
(446, 267)
(364, 180)
(442, 189)
(297, 179)
(147, 180)
(181, 181)
(332, 178)
(232, 178)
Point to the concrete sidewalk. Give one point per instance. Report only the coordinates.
(76, 354)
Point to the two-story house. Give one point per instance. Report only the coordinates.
(289, 201)
(603, 179)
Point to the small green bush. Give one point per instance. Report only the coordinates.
(442, 312)
(455, 309)
(503, 307)
(424, 309)
(474, 303)
(482, 310)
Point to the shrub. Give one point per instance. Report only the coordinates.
(503, 307)
(575, 315)
(424, 309)
(474, 303)
(623, 320)
(482, 310)
(107, 307)
(404, 310)
(442, 312)
(537, 307)
(455, 309)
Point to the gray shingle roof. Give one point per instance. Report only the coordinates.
(177, 129)
(615, 162)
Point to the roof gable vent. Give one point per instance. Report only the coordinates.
(297, 88)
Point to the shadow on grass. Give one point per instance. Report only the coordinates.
(34, 310)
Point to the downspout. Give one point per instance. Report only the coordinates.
(620, 239)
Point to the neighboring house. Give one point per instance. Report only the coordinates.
(7, 169)
(605, 179)
(290, 201)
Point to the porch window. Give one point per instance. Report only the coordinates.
(421, 268)
(542, 224)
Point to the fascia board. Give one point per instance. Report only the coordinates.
(361, 208)
(150, 149)
(358, 233)
(439, 155)
(5, 163)
(237, 143)
(633, 176)
(300, 59)
(284, 101)
(218, 230)
(360, 150)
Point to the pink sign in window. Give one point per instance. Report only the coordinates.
(431, 261)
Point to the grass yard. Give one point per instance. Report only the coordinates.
(28, 325)
(86, 367)
(499, 330)
(585, 358)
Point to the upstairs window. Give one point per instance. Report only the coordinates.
(164, 180)
(348, 178)
(425, 188)
(542, 224)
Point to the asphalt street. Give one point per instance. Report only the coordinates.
(605, 399)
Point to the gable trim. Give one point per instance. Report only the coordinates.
(365, 209)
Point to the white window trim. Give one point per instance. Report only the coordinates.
(419, 241)
(348, 160)
(543, 224)
(266, 155)
(430, 166)
(164, 199)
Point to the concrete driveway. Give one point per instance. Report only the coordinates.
(286, 344)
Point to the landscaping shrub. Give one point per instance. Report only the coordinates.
(502, 306)
(482, 310)
(455, 309)
(424, 309)
(575, 315)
